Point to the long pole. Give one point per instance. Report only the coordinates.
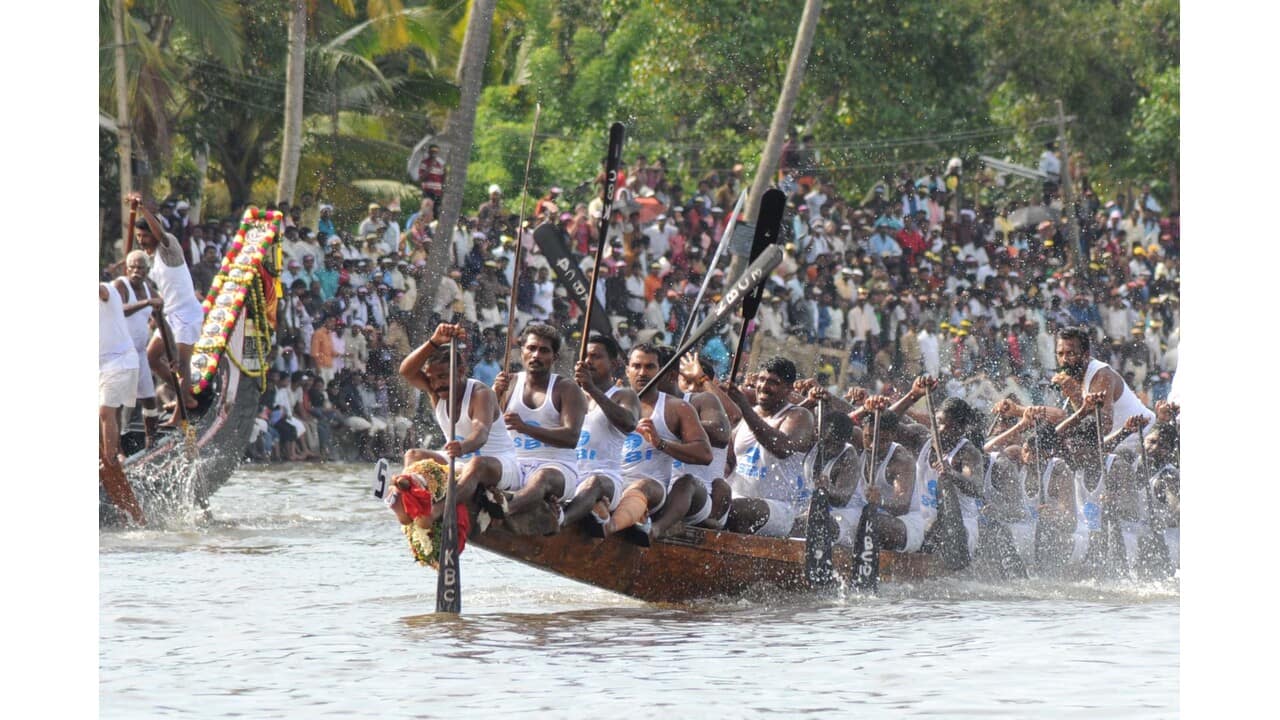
(124, 129)
(724, 237)
(768, 166)
(515, 276)
(1068, 207)
(449, 580)
(617, 133)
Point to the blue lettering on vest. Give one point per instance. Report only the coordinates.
(930, 499)
(1093, 516)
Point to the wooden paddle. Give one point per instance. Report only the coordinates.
(1153, 551)
(768, 225)
(617, 134)
(515, 275)
(949, 530)
(449, 580)
(818, 570)
(866, 557)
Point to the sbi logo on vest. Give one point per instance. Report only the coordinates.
(524, 442)
(631, 449)
(584, 438)
(930, 499)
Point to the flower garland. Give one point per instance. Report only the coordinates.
(240, 271)
(432, 477)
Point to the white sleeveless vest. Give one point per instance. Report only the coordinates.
(761, 474)
(115, 347)
(1125, 407)
(137, 322)
(530, 448)
(600, 443)
(178, 291)
(640, 459)
(498, 443)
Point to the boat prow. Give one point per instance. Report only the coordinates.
(692, 564)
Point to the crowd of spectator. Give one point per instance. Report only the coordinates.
(910, 278)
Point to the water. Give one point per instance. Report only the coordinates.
(300, 599)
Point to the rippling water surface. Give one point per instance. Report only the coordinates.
(300, 599)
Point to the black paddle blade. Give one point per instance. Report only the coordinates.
(820, 535)
(768, 228)
(1011, 564)
(948, 536)
(612, 160)
(449, 581)
(866, 555)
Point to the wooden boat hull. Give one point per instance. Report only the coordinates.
(692, 565)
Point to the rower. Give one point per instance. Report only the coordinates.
(769, 449)
(1062, 526)
(544, 413)
(838, 475)
(891, 489)
(480, 439)
(959, 428)
(612, 413)
(117, 386)
(139, 301)
(694, 381)
(182, 308)
(669, 429)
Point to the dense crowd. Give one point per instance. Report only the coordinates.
(910, 279)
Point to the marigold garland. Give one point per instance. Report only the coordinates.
(239, 274)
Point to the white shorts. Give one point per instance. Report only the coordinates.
(614, 478)
(847, 520)
(511, 479)
(529, 467)
(186, 331)
(146, 382)
(118, 388)
(915, 525)
(781, 517)
(696, 516)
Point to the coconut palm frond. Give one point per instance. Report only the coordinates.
(380, 188)
(215, 24)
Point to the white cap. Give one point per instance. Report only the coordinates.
(495, 189)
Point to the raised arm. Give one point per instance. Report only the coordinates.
(794, 435)
(691, 369)
(411, 366)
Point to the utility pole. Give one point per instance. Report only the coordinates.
(124, 131)
(768, 166)
(1068, 194)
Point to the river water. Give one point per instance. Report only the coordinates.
(299, 598)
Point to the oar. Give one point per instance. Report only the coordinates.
(768, 224)
(449, 581)
(724, 240)
(1156, 550)
(128, 237)
(515, 276)
(1039, 534)
(818, 570)
(171, 357)
(953, 544)
(1109, 527)
(866, 560)
(617, 133)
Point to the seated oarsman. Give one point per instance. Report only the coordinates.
(544, 413)
(1005, 519)
(668, 429)
(1062, 526)
(838, 476)
(484, 451)
(893, 496)
(612, 413)
(1079, 374)
(770, 444)
(695, 382)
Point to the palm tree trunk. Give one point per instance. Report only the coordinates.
(124, 131)
(291, 148)
(458, 134)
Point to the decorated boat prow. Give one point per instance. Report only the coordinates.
(229, 364)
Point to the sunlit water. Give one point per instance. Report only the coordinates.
(300, 599)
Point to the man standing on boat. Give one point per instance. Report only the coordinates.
(668, 430)
(611, 415)
(769, 449)
(182, 308)
(117, 388)
(544, 413)
(139, 301)
(480, 443)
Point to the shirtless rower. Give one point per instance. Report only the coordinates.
(769, 449)
(480, 443)
(669, 429)
(544, 413)
(139, 302)
(172, 277)
(612, 413)
(695, 382)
